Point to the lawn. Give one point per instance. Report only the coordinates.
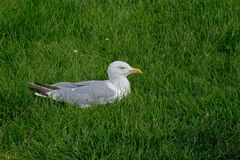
(185, 105)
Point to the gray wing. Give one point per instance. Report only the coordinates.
(71, 85)
(95, 92)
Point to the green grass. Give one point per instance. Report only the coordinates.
(185, 105)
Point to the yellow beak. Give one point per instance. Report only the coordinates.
(135, 71)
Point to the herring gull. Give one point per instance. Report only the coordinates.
(86, 93)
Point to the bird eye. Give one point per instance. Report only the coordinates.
(121, 67)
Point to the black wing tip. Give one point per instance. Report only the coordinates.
(40, 88)
(49, 87)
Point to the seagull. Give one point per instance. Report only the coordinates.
(87, 93)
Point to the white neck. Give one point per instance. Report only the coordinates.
(122, 86)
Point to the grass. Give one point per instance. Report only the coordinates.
(184, 106)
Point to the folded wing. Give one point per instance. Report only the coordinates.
(84, 93)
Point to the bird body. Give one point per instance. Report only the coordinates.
(90, 92)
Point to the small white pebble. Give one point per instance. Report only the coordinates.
(75, 51)
(107, 39)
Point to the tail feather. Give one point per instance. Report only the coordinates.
(41, 89)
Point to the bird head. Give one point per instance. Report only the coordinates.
(119, 69)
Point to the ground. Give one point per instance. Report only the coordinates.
(185, 105)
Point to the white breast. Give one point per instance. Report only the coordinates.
(122, 86)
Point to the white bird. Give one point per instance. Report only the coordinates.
(86, 93)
